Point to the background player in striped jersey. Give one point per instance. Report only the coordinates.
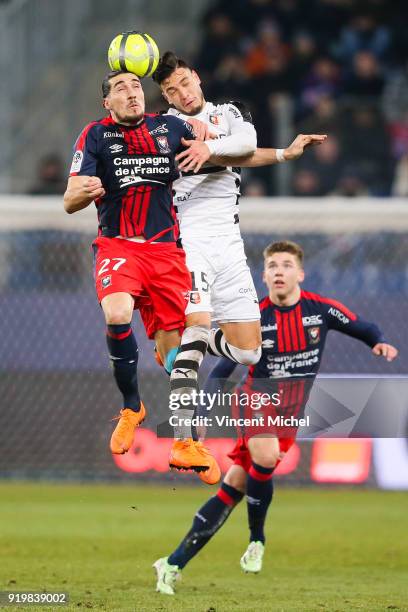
(207, 209)
(294, 327)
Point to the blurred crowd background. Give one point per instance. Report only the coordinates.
(340, 66)
(330, 66)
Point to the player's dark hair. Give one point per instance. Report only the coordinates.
(285, 246)
(106, 83)
(168, 63)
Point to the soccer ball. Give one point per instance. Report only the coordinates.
(135, 52)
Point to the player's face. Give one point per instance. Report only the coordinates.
(182, 89)
(125, 101)
(282, 275)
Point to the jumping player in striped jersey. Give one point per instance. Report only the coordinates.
(126, 164)
(207, 202)
(294, 327)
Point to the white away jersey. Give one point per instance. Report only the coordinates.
(207, 202)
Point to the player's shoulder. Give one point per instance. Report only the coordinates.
(174, 118)
(265, 303)
(105, 124)
(90, 130)
(327, 304)
(311, 296)
(238, 110)
(315, 299)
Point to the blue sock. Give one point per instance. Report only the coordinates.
(123, 353)
(259, 496)
(206, 523)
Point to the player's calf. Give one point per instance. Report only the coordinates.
(123, 353)
(186, 454)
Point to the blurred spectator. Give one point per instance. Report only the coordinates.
(325, 161)
(304, 53)
(229, 81)
(268, 50)
(395, 99)
(395, 105)
(363, 34)
(368, 147)
(351, 185)
(400, 183)
(51, 176)
(220, 40)
(324, 79)
(247, 14)
(365, 78)
(306, 183)
(254, 188)
(324, 119)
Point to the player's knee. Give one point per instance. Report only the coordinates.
(247, 357)
(236, 477)
(117, 315)
(198, 318)
(267, 458)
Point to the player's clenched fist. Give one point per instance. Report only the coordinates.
(81, 191)
(382, 349)
(93, 187)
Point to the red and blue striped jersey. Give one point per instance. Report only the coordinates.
(293, 337)
(136, 165)
(293, 340)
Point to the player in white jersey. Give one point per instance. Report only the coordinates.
(206, 197)
(207, 211)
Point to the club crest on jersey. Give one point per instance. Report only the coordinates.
(106, 281)
(163, 144)
(314, 335)
(195, 297)
(214, 119)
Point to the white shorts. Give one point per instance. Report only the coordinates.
(221, 279)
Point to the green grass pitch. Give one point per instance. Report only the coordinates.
(327, 550)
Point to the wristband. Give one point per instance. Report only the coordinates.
(280, 155)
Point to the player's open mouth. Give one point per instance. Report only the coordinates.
(279, 283)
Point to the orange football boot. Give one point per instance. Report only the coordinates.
(190, 455)
(213, 474)
(124, 432)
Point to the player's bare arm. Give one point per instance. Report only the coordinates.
(81, 191)
(266, 157)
